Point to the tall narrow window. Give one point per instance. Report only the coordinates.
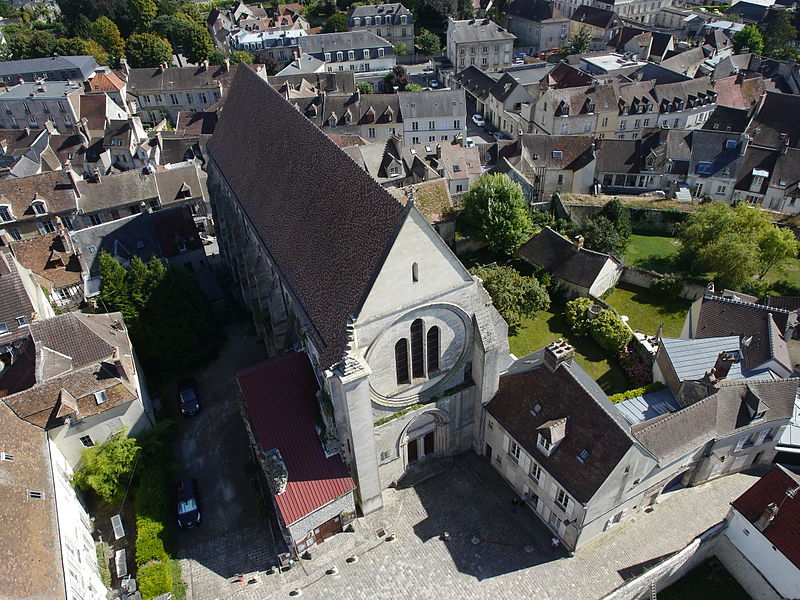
(417, 357)
(401, 360)
(433, 350)
(415, 272)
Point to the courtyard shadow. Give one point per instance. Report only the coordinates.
(634, 571)
(469, 509)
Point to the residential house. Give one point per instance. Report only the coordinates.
(77, 378)
(371, 116)
(312, 491)
(30, 206)
(536, 23)
(97, 111)
(686, 104)
(769, 178)
(55, 265)
(581, 271)
(507, 106)
(370, 57)
(36, 104)
(128, 145)
(393, 22)
(53, 68)
(161, 92)
(460, 165)
(324, 292)
(576, 110)
(282, 45)
(643, 11)
(23, 301)
(643, 44)
(433, 116)
(480, 43)
(761, 547)
(630, 166)
(601, 23)
(716, 160)
(106, 81)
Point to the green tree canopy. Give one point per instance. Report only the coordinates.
(398, 78)
(242, 56)
(414, 87)
(733, 244)
(579, 43)
(432, 14)
(197, 43)
(516, 297)
(400, 49)
(749, 37)
(494, 207)
(609, 331)
(147, 50)
(79, 46)
(217, 57)
(336, 22)
(172, 27)
(142, 13)
(365, 87)
(779, 36)
(106, 469)
(427, 42)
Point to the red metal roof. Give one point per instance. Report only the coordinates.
(280, 394)
(784, 531)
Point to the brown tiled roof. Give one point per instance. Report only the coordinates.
(325, 222)
(30, 550)
(592, 422)
(195, 123)
(432, 199)
(104, 82)
(53, 188)
(41, 255)
(173, 184)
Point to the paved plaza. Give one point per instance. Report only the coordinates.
(494, 550)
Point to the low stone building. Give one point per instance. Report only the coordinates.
(391, 21)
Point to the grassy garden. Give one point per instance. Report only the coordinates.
(647, 309)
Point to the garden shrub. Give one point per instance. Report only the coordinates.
(609, 331)
(640, 391)
(575, 314)
(637, 370)
(669, 285)
(154, 579)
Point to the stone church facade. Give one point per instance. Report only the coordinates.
(405, 343)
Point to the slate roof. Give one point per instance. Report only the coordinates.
(30, 549)
(783, 169)
(196, 123)
(280, 395)
(260, 135)
(180, 183)
(692, 359)
(14, 300)
(142, 81)
(54, 188)
(784, 531)
(477, 30)
(347, 40)
(728, 119)
(552, 251)
(719, 317)
(596, 17)
(534, 10)
(712, 147)
(776, 116)
(416, 105)
(671, 436)
(392, 9)
(593, 423)
(537, 152)
(85, 64)
(476, 82)
(116, 189)
(49, 257)
(789, 303)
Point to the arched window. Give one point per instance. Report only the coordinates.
(417, 355)
(39, 207)
(401, 360)
(432, 348)
(415, 272)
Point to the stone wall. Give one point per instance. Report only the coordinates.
(644, 278)
(643, 220)
(744, 572)
(670, 570)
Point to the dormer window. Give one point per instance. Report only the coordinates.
(558, 154)
(730, 144)
(551, 434)
(327, 57)
(378, 20)
(351, 55)
(101, 397)
(367, 20)
(403, 19)
(704, 168)
(39, 207)
(340, 56)
(380, 52)
(356, 21)
(5, 214)
(366, 54)
(543, 444)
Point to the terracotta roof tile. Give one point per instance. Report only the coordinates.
(53, 188)
(50, 258)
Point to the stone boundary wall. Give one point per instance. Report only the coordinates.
(644, 278)
(743, 571)
(673, 568)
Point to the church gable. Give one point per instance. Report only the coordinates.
(419, 265)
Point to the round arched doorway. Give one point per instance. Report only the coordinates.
(424, 437)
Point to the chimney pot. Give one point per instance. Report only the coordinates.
(767, 517)
(558, 353)
(577, 243)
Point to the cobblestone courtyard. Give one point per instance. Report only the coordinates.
(512, 558)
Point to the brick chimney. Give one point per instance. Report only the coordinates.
(577, 243)
(767, 517)
(723, 365)
(558, 353)
(73, 179)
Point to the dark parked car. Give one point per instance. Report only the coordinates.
(188, 507)
(187, 396)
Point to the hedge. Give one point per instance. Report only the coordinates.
(650, 387)
(154, 579)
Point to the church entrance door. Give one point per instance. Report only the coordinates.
(413, 452)
(428, 443)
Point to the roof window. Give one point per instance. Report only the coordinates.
(101, 397)
(558, 154)
(35, 494)
(6, 456)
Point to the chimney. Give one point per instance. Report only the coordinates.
(73, 179)
(205, 65)
(438, 151)
(123, 65)
(710, 290)
(723, 365)
(767, 517)
(558, 353)
(97, 175)
(226, 65)
(577, 243)
(784, 143)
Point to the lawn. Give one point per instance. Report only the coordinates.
(535, 334)
(654, 252)
(647, 309)
(709, 581)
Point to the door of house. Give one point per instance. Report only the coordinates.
(489, 452)
(327, 529)
(413, 451)
(428, 444)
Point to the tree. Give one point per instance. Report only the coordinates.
(516, 297)
(575, 314)
(609, 331)
(242, 56)
(427, 42)
(733, 244)
(335, 23)
(397, 78)
(579, 43)
(432, 14)
(172, 27)
(495, 208)
(749, 37)
(81, 47)
(365, 87)
(106, 469)
(106, 33)
(600, 235)
(197, 44)
(400, 49)
(414, 87)
(216, 57)
(616, 212)
(147, 50)
(79, 14)
(779, 36)
(142, 13)
(7, 10)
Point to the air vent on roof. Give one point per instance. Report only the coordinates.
(101, 397)
(6, 456)
(35, 494)
(557, 154)
(583, 456)
(536, 410)
(413, 151)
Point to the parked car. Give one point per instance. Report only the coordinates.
(478, 120)
(469, 143)
(434, 83)
(188, 505)
(187, 397)
(520, 55)
(499, 136)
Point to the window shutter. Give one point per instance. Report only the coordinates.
(553, 490)
(42, 230)
(505, 443)
(762, 436)
(740, 443)
(524, 462)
